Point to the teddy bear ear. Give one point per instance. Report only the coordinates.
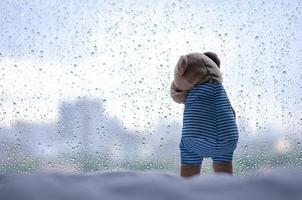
(213, 57)
(182, 65)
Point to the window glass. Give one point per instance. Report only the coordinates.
(85, 84)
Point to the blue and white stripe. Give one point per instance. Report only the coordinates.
(209, 126)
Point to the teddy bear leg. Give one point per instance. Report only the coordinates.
(225, 167)
(189, 170)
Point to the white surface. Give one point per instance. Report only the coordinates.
(278, 184)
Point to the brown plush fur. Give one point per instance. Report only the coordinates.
(192, 69)
(214, 57)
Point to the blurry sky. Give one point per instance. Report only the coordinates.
(124, 53)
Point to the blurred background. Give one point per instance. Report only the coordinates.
(84, 84)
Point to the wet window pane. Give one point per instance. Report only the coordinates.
(85, 84)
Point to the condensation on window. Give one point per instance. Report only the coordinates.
(85, 84)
